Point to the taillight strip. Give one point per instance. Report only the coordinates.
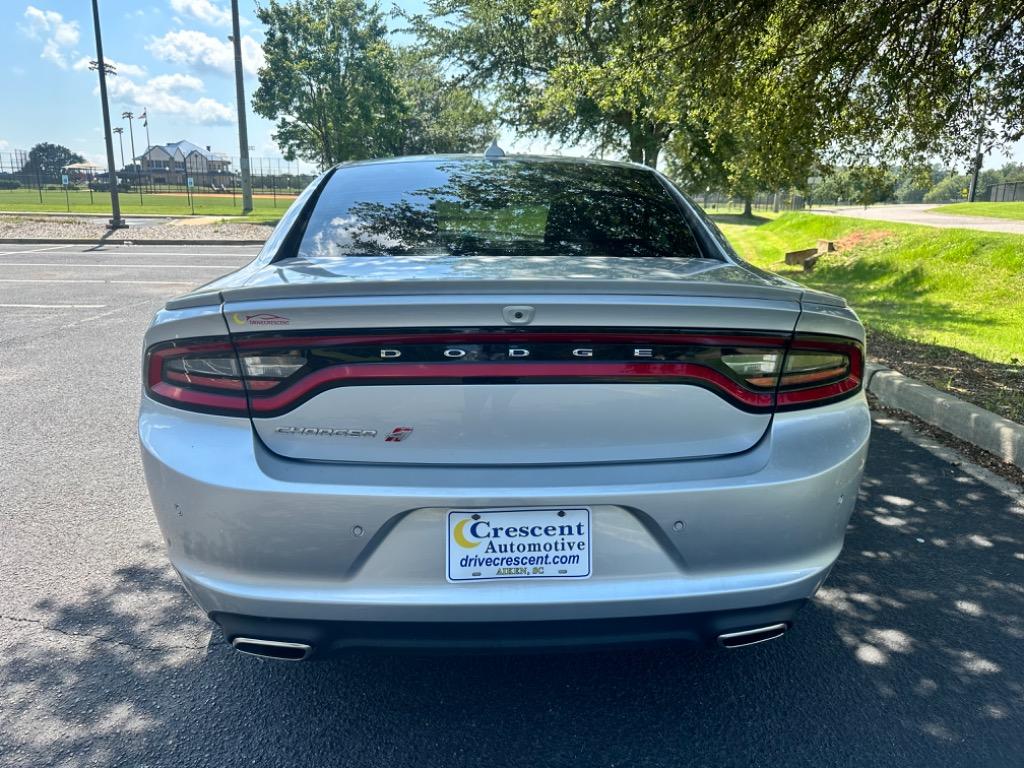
(469, 373)
(234, 404)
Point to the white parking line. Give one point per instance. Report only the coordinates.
(52, 306)
(118, 266)
(32, 250)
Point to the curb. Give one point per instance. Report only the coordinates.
(984, 429)
(127, 241)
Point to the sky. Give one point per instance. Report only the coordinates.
(173, 60)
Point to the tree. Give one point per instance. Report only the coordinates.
(327, 80)
(339, 91)
(950, 189)
(439, 116)
(904, 79)
(49, 161)
(574, 70)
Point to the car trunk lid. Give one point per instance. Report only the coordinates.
(472, 371)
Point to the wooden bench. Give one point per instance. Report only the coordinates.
(808, 257)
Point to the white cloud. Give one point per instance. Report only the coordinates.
(163, 94)
(198, 50)
(4, 143)
(57, 34)
(122, 69)
(204, 10)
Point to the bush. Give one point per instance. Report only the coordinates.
(950, 189)
(10, 184)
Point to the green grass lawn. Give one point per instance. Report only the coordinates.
(81, 201)
(942, 305)
(990, 210)
(958, 288)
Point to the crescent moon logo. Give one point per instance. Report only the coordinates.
(238, 318)
(458, 533)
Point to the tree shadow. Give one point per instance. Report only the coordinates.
(991, 385)
(739, 219)
(910, 655)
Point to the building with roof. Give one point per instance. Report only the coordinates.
(173, 163)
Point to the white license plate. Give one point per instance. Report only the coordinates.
(518, 544)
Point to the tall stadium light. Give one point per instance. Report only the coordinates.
(120, 139)
(129, 116)
(116, 220)
(243, 132)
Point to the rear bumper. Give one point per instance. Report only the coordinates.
(347, 550)
(326, 638)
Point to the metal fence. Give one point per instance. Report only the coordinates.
(271, 177)
(1007, 192)
(713, 202)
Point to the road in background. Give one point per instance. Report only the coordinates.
(910, 655)
(919, 214)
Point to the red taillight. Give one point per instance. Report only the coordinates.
(819, 369)
(272, 374)
(197, 374)
(205, 375)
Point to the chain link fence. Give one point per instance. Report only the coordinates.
(713, 202)
(41, 184)
(1007, 192)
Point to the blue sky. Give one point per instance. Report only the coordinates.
(173, 59)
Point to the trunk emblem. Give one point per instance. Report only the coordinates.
(398, 434)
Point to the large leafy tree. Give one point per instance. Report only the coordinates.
(328, 80)
(576, 70)
(48, 160)
(340, 91)
(439, 116)
(902, 79)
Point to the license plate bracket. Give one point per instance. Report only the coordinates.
(525, 543)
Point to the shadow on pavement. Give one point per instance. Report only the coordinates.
(910, 655)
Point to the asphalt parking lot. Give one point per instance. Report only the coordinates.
(912, 654)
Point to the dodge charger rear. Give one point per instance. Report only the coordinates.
(501, 402)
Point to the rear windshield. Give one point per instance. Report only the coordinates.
(504, 207)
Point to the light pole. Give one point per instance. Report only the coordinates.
(131, 132)
(972, 191)
(120, 140)
(243, 132)
(116, 221)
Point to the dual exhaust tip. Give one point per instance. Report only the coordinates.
(286, 651)
(272, 649)
(752, 636)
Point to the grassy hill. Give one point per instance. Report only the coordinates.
(945, 305)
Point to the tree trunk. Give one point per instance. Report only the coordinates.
(644, 144)
(748, 207)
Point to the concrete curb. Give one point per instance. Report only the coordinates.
(989, 431)
(125, 241)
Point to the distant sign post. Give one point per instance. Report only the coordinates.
(190, 183)
(64, 182)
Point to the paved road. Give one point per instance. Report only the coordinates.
(919, 214)
(911, 655)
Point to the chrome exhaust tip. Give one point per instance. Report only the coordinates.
(272, 649)
(751, 636)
